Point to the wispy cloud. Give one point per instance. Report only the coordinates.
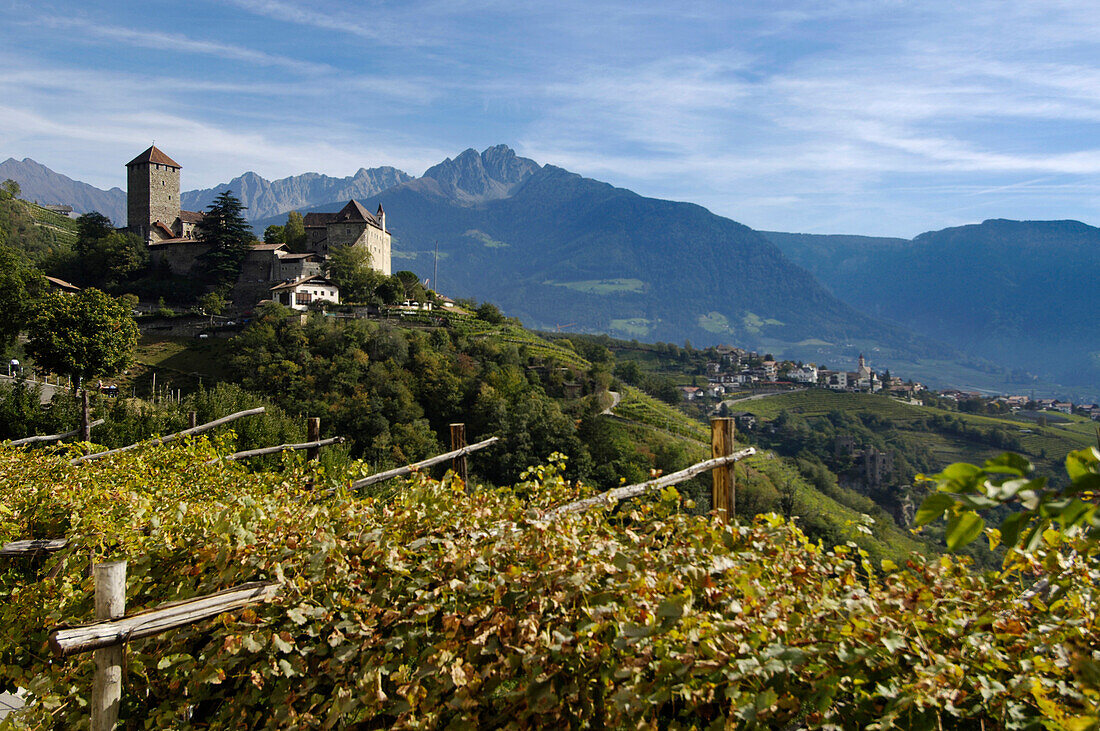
(366, 24)
(178, 43)
(798, 114)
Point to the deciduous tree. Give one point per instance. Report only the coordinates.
(349, 267)
(20, 284)
(275, 234)
(294, 233)
(84, 335)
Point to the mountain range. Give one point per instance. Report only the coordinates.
(1023, 293)
(44, 186)
(976, 306)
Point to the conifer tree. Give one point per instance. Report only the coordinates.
(229, 236)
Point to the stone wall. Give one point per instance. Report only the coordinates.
(179, 257)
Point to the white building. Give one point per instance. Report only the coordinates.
(300, 293)
(804, 374)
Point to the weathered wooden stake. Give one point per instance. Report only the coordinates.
(85, 418)
(110, 603)
(313, 434)
(192, 419)
(458, 441)
(723, 488)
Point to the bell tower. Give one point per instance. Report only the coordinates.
(152, 192)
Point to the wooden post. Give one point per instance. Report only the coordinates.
(110, 603)
(192, 419)
(723, 488)
(85, 418)
(313, 434)
(458, 441)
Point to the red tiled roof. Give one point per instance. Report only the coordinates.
(153, 155)
(159, 225)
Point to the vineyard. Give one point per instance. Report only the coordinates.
(438, 604)
(1050, 444)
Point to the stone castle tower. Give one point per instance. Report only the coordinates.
(152, 193)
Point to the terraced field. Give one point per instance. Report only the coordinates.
(640, 407)
(1048, 444)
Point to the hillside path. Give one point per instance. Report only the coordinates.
(616, 397)
(48, 389)
(727, 402)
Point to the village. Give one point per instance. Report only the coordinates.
(738, 374)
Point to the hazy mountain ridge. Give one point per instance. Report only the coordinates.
(40, 184)
(567, 250)
(1022, 293)
(557, 249)
(474, 177)
(265, 198)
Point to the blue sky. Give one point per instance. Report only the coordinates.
(883, 118)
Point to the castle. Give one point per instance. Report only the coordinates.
(153, 199)
(153, 212)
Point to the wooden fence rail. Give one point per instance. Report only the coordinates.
(609, 498)
(171, 437)
(409, 469)
(74, 640)
(33, 547)
(52, 437)
(272, 450)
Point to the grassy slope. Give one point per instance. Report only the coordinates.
(1057, 439)
(886, 539)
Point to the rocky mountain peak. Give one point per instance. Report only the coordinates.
(475, 177)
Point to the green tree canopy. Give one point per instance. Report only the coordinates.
(275, 234)
(229, 236)
(349, 268)
(213, 303)
(111, 258)
(294, 233)
(91, 227)
(411, 288)
(85, 335)
(10, 189)
(20, 284)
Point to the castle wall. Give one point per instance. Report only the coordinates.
(180, 257)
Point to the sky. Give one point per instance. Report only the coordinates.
(881, 118)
